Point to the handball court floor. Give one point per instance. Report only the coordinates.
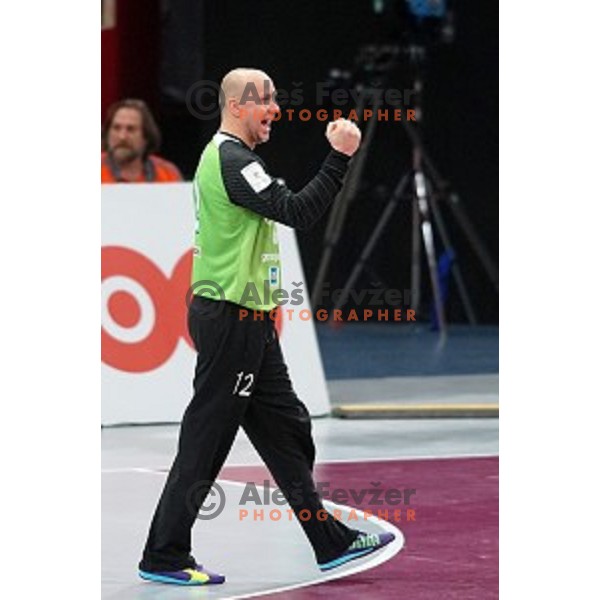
(448, 551)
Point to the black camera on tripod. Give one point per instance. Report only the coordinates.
(422, 22)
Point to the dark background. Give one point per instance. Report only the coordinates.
(301, 42)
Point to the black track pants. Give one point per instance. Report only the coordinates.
(240, 379)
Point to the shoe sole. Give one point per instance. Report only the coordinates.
(165, 579)
(342, 560)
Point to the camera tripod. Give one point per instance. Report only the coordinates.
(422, 186)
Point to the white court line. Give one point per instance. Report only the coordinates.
(401, 458)
(326, 462)
(365, 563)
(368, 562)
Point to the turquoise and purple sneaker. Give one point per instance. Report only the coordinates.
(197, 576)
(364, 544)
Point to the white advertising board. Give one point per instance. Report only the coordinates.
(147, 358)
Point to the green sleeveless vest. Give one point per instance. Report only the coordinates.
(236, 251)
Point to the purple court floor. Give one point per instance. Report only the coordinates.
(451, 546)
(448, 551)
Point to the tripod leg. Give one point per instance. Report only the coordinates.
(341, 205)
(456, 271)
(320, 279)
(415, 265)
(455, 204)
(370, 245)
(332, 235)
(428, 243)
(475, 241)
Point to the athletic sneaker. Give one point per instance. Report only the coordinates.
(197, 576)
(364, 544)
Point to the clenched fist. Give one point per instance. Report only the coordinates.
(344, 136)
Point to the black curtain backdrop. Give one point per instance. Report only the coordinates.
(298, 43)
(182, 48)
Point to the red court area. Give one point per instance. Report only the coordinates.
(451, 548)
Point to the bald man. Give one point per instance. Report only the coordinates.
(241, 378)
